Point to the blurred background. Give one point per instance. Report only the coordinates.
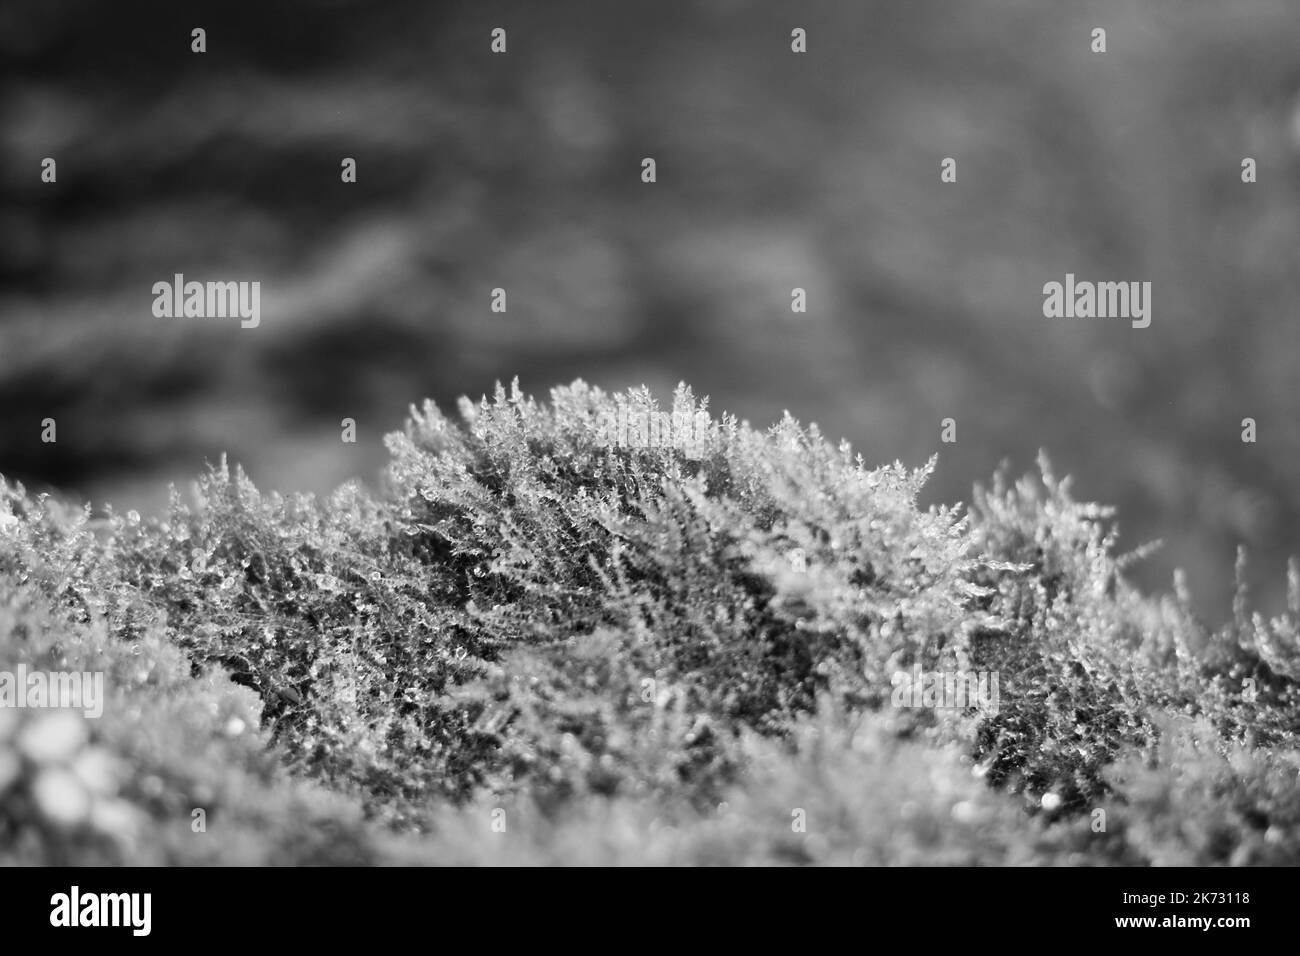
(775, 170)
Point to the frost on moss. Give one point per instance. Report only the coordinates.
(609, 617)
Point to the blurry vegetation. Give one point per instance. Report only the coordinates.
(611, 650)
(775, 171)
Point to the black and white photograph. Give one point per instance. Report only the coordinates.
(652, 434)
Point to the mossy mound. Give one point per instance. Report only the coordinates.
(574, 632)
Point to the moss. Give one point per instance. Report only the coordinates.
(545, 640)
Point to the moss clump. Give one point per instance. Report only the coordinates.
(541, 643)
